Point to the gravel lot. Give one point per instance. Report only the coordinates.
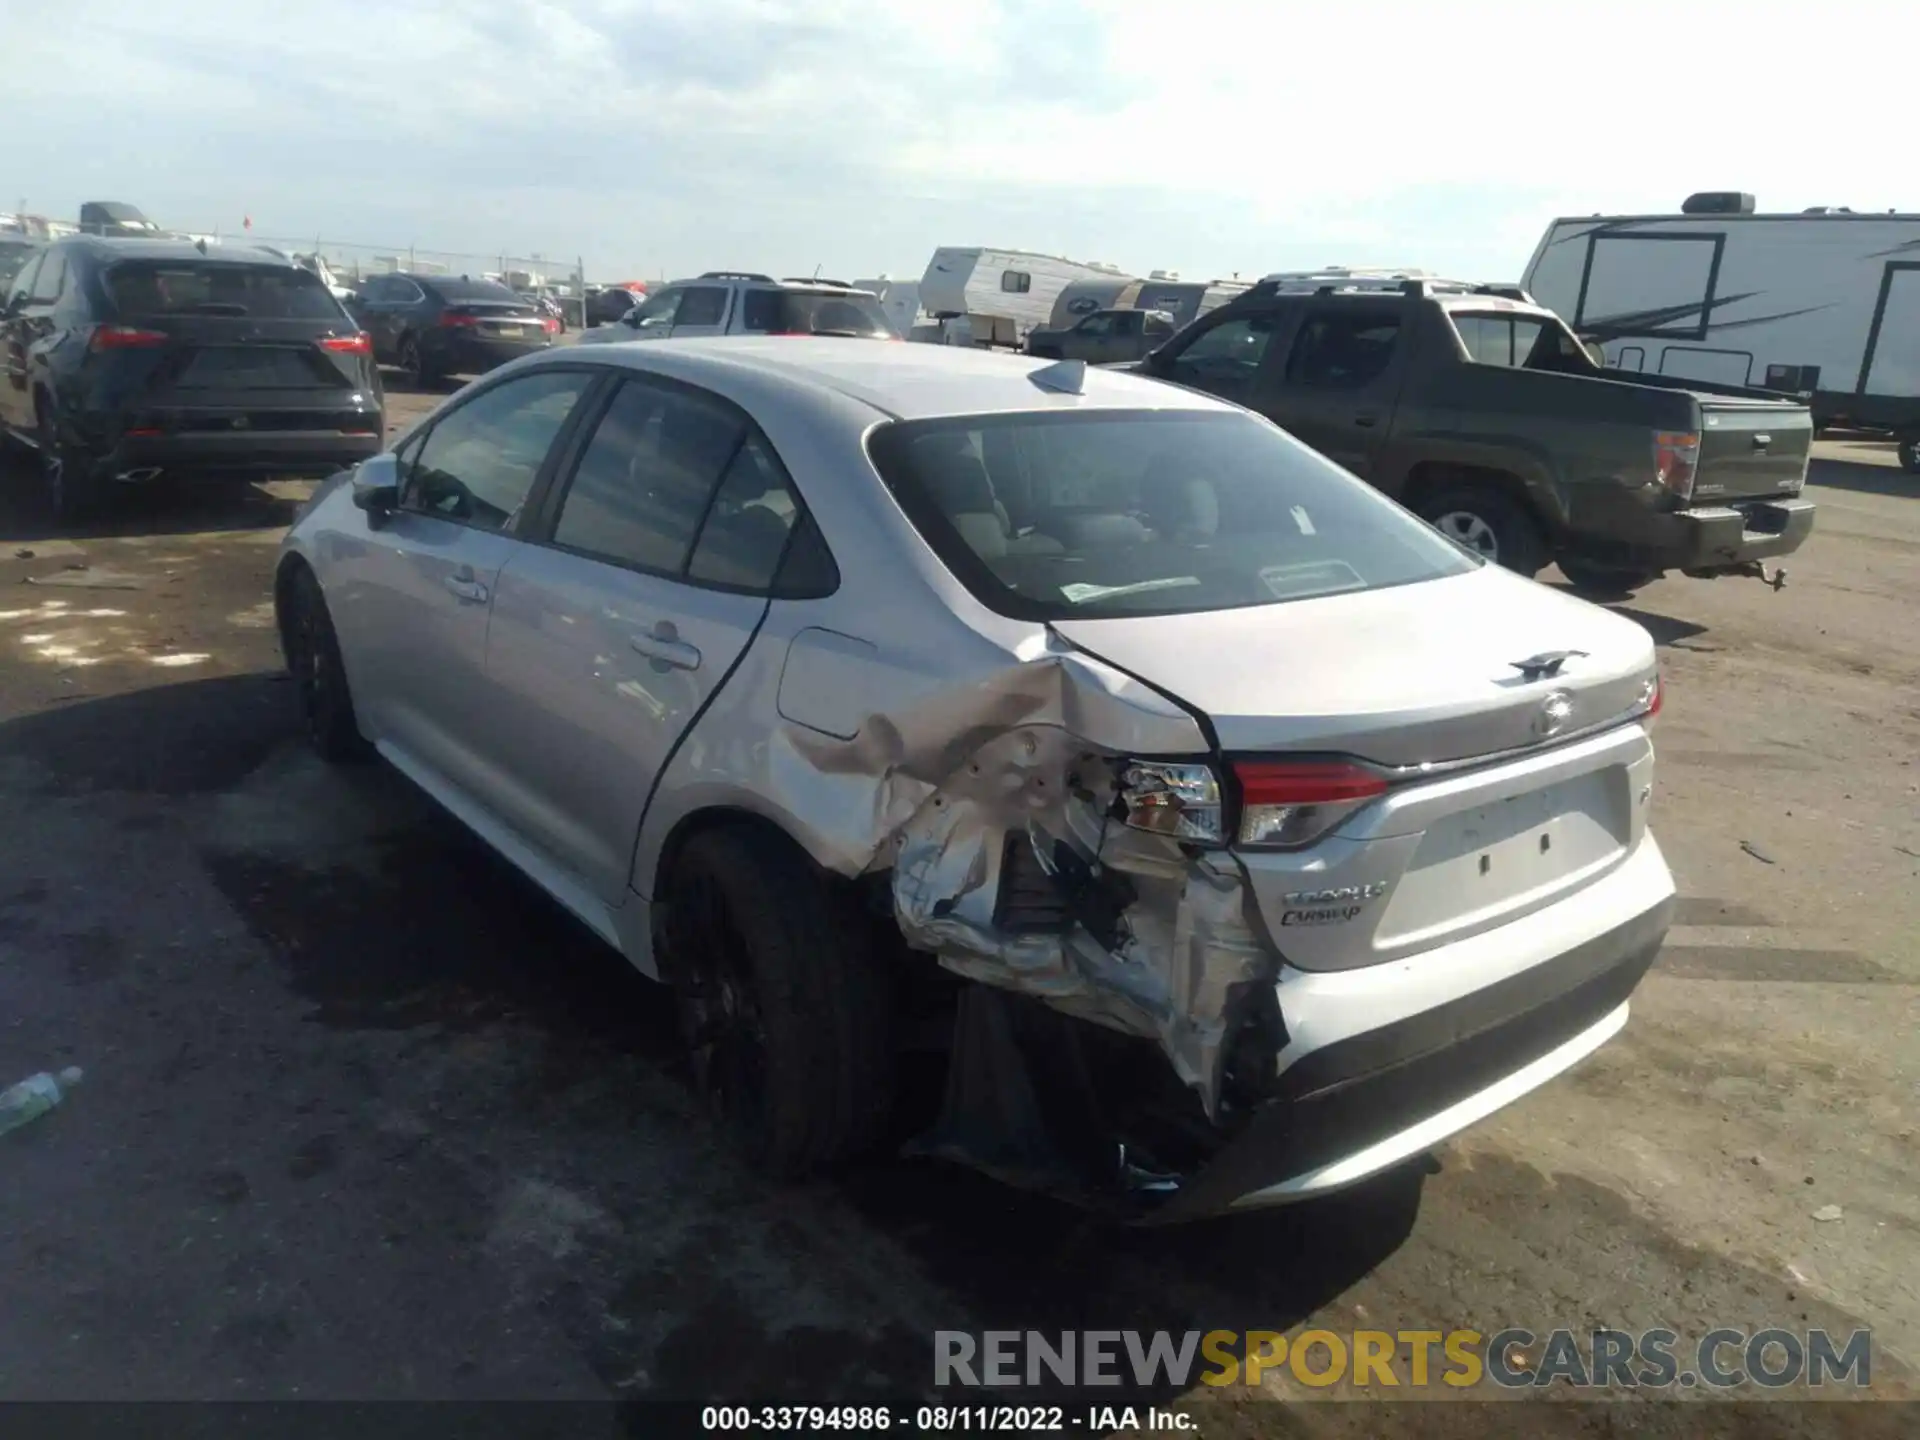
(367, 1117)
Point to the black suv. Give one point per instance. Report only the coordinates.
(129, 358)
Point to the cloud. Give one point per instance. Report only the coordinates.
(673, 135)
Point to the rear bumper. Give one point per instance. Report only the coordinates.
(467, 355)
(1368, 1082)
(1614, 526)
(1718, 536)
(259, 453)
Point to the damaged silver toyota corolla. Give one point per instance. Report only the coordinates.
(1211, 831)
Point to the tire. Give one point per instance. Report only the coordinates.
(1490, 523)
(1910, 453)
(1604, 579)
(414, 365)
(70, 486)
(783, 1002)
(320, 676)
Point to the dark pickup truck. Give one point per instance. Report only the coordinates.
(1480, 411)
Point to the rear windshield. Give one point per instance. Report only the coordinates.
(183, 287)
(809, 312)
(463, 291)
(1517, 341)
(1057, 516)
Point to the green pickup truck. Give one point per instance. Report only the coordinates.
(1481, 412)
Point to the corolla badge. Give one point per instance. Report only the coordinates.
(1554, 713)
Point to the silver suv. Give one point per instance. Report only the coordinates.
(728, 302)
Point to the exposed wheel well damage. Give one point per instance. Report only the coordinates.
(283, 578)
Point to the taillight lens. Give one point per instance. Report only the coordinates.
(1676, 458)
(449, 320)
(1180, 801)
(1651, 697)
(1285, 804)
(549, 324)
(361, 344)
(125, 337)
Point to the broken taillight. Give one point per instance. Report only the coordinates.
(1177, 799)
(1676, 459)
(1285, 804)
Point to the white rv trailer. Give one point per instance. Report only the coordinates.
(1000, 294)
(1822, 304)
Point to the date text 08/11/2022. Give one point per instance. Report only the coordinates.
(942, 1419)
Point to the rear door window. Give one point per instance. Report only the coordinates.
(647, 477)
(52, 278)
(479, 461)
(1343, 349)
(805, 312)
(152, 289)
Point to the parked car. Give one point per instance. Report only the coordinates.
(1105, 337)
(724, 302)
(128, 358)
(15, 251)
(609, 306)
(1481, 411)
(1235, 835)
(433, 326)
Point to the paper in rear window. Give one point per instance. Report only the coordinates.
(152, 289)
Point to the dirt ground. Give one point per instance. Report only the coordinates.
(366, 1117)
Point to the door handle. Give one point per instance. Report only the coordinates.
(462, 584)
(663, 644)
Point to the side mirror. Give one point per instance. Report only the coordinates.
(1597, 353)
(376, 487)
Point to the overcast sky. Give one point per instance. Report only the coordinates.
(669, 136)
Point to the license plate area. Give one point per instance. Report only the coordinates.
(1475, 864)
(247, 368)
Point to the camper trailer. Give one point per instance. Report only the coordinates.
(993, 297)
(1824, 304)
(899, 300)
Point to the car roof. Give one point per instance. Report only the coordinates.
(107, 248)
(896, 379)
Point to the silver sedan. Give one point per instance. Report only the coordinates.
(1224, 833)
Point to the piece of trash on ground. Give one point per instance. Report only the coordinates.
(90, 579)
(1756, 852)
(34, 1096)
(1828, 1212)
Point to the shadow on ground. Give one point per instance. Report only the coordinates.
(167, 506)
(1862, 478)
(421, 933)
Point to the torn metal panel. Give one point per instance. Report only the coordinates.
(1168, 961)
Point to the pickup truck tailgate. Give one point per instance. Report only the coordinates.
(1751, 449)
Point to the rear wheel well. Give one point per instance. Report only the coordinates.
(700, 822)
(1430, 477)
(283, 579)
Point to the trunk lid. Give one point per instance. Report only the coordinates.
(1410, 677)
(500, 320)
(1750, 449)
(1407, 675)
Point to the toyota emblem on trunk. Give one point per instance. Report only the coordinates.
(1555, 711)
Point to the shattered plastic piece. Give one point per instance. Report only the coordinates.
(1828, 1212)
(90, 579)
(34, 1096)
